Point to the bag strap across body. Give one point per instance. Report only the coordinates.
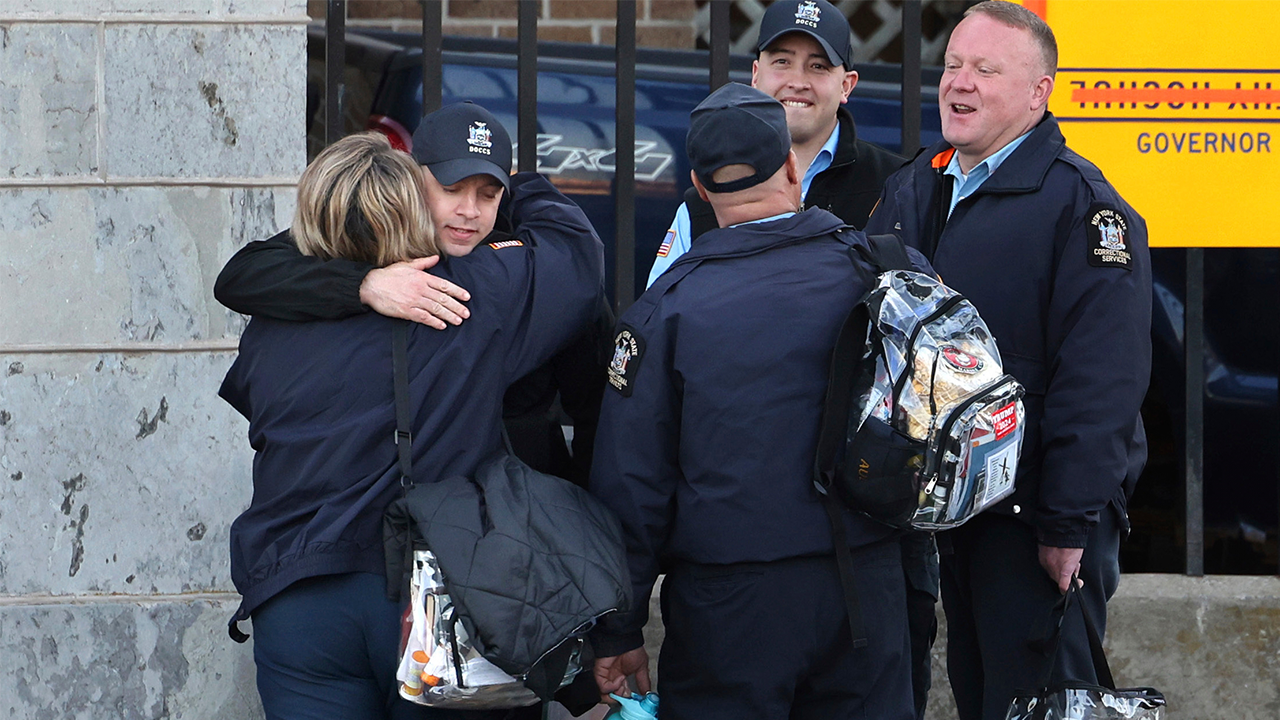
(885, 253)
(400, 370)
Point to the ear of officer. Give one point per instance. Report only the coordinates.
(740, 150)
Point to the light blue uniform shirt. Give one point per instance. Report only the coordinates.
(965, 185)
(677, 241)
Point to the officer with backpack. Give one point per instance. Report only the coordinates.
(804, 59)
(1057, 263)
(706, 446)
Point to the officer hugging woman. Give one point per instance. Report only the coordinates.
(314, 380)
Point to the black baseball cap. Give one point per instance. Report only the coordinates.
(737, 124)
(461, 140)
(818, 19)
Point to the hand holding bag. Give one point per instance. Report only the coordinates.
(1073, 700)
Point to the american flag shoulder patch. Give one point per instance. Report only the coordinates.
(665, 248)
(506, 244)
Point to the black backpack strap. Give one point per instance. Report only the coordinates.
(846, 360)
(831, 442)
(400, 368)
(702, 218)
(844, 559)
(887, 252)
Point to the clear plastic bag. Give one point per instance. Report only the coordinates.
(1089, 702)
(439, 666)
(939, 380)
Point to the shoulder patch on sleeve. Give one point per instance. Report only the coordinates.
(628, 349)
(665, 248)
(1108, 237)
(506, 244)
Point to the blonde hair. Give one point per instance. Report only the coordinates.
(361, 199)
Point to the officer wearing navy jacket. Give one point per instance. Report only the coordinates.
(465, 154)
(706, 445)
(1057, 263)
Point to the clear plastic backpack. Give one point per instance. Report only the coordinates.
(935, 429)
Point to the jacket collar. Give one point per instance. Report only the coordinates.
(1025, 169)
(738, 241)
(847, 144)
(757, 237)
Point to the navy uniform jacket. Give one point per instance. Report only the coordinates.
(707, 434)
(320, 405)
(1057, 264)
(271, 278)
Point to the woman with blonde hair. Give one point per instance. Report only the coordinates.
(307, 554)
(361, 200)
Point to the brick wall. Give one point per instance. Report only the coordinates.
(659, 23)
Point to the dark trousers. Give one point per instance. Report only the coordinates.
(325, 649)
(920, 563)
(998, 602)
(771, 641)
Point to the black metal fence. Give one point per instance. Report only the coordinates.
(718, 63)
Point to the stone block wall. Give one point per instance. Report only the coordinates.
(141, 143)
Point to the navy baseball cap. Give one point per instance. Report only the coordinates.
(461, 140)
(818, 19)
(736, 125)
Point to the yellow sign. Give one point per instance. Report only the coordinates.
(1178, 102)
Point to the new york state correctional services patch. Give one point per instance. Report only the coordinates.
(1108, 238)
(628, 348)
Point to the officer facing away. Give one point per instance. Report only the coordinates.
(705, 451)
(804, 61)
(1057, 263)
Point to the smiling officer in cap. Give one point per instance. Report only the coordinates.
(804, 61)
(705, 452)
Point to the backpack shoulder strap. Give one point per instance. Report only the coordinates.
(702, 217)
(844, 376)
(887, 252)
(879, 254)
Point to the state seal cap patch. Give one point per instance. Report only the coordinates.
(628, 348)
(1108, 234)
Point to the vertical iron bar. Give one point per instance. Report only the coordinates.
(719, 43)
(911, 40)
(432, 72)
(335, 60)
(527, 82)
(1194, 350)
(624, 174)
